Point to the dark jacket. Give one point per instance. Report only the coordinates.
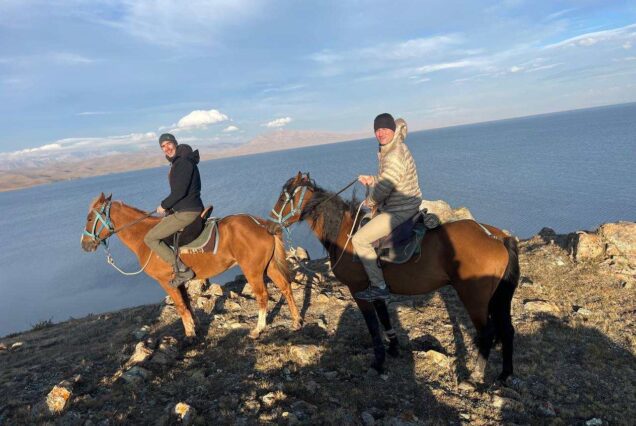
(185, 181)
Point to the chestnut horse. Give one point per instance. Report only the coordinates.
(256, 247)
(482, 266)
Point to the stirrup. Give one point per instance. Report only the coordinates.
(181, 277)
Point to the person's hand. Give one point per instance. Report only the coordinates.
(161, 211)
(365, 180)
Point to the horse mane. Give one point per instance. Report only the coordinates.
(135, 209)
(324, 204)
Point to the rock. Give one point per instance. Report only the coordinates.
(250, 407)
(525, 281)
(507, 403)
(581, 310)
(466, 386)
(167, 351)
(247, 291)
(437, 357)
(367, 419)
(17, 345)
(585, 246)
(301, 254)
(594, 422)
(322, 323)
(559, 262)
(323, 298)
(142, 332)
(546, 409)
(196, 288)
(621, 239)
(232, 306)
(304, 354)
(59, 397)
(269, 399)
(141, 354)
(206, 304)
(168, 301)
(439, 208)
(233, 295)
(184, 413)
(312, 387)
(540, 306)
(462, 213)
(547, 232)
(215, 290)
(3, 347)
(136, 375)
(290, 418)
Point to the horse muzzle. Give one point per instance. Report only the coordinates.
(89, 244)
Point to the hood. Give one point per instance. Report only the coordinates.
(185, 151)
(401, 130)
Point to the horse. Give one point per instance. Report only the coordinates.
(252, 243)
(483, 267)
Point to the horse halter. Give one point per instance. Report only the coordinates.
(294, 209)
(102, 219)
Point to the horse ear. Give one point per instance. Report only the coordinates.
(299, 175)
(109, 197)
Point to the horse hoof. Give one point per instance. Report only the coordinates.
(255, 334)
(189, 341)
(296, 326)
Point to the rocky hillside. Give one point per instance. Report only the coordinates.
(575, 353)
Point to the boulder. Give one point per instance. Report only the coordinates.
(304, 354)
(59, 397)
(621, 239)
(586, 246)
(215, 290)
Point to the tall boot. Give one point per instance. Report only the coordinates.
(182, 274)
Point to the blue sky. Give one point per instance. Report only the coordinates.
(113, 74)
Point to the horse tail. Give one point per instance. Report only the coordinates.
(501, 303)
(280, 257)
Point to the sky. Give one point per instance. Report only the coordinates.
(111, 75)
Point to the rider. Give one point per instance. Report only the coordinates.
(394, 195)
(181, 207)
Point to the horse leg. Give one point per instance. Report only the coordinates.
(182, 309)
(262, 297)
(281, 281)
(500, 313)
(385, 319)
(370, 318)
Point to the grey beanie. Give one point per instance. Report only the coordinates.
(167, 137)
(384, 121)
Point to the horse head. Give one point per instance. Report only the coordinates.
(295, 194)
(98, 223)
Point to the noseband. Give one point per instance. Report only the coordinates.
(294, 209)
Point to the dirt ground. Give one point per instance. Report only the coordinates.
(575, 348)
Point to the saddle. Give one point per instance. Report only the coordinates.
(195, 237)
(404, 241)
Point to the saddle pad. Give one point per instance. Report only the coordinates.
(208, 241)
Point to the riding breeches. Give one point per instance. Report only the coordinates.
(168, 226)
(378, 227)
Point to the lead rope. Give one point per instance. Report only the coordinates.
(111, 261)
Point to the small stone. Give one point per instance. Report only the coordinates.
(559, 262)
(501, 402)
(581, 310)
(594, 422)
(215, 290)
(58, 399)
(17, 345)
(247, 291)
(367, 418)
(269, 399)
(141, 354)
(233, 295)
(540, 306)
(322, 323)
(312, 387)
(232, 306)
(291, 418)
(304, 354)
(3, 347)
(546, 409)
(464, 416)
(185, 413)
(466, 386)
(437, 357)
(301, 254)
(136, 375)
(142, 332)
(330, 374)
(168, 301)
(384, 377)
(196, 287)
(236, 325)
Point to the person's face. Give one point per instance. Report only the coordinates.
(384, 136)
(169, 148)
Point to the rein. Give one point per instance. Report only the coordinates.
(102, 219)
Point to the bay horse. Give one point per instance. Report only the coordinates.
(253, 244)
(483, 268)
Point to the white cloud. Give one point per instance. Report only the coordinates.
(589, 39)
(230, 129)
(201, 119)
(515, 68)
(627, 45)
(279, 122)
(426, 69)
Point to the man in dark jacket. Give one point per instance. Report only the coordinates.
(184, 202)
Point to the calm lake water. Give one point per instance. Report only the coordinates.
(569, 171)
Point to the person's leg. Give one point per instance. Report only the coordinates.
(380, 226)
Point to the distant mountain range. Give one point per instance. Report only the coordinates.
(39, 167)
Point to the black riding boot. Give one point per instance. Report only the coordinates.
(182, 274)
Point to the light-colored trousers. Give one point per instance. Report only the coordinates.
(168, 226)
(380, 226)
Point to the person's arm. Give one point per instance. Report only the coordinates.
(182, 172)
(384, 183)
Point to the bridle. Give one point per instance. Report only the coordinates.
(294, 209)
